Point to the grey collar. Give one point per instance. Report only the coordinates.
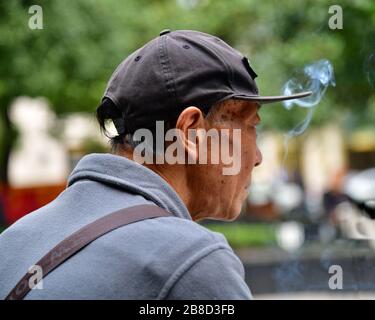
(128, 175)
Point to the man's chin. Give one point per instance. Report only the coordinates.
(235, 214)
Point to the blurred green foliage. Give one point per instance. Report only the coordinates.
(72, 57)
(242, 235)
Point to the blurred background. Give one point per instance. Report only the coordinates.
(312, 201)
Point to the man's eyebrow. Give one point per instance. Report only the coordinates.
(247, 108)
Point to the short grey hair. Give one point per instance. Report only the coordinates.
(127, 140)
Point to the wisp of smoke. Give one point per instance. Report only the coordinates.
(314, 77)
(369, 69)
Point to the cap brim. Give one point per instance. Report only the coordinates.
(271, 99)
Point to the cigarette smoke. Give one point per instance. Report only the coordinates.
(314, 77)
(369, 69)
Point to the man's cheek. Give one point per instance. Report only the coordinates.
(231, 152)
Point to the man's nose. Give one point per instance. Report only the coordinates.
(258, 157)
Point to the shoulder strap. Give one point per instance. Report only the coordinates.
(81, 238)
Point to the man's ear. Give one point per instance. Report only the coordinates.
(189, 121)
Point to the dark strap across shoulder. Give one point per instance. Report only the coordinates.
(81, 238)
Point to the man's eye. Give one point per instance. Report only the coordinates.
(251, 126)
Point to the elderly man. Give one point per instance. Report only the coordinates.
(204, 91)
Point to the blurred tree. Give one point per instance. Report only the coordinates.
(72, 57)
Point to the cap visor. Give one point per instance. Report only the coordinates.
(271, 99)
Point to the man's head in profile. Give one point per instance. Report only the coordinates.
(185, 105)
(185, 108)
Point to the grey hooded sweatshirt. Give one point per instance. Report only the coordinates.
(161, 258)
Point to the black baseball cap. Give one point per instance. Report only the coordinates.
(176, 70)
